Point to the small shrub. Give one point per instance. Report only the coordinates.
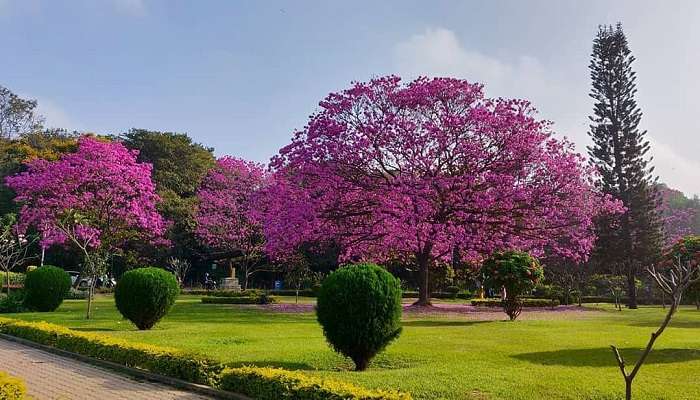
(11, 388)
(45, 288)
(359, 308)
(75, 294)
(516, 271)
(145, 295)
(14, 303)
(273, 384)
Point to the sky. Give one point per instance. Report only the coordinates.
(241, 76)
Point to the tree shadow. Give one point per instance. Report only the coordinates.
(674, 324)
(289, 365)
(603, 357)
(439, 323)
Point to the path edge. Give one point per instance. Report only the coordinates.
(132, 372)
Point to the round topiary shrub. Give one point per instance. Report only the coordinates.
(145, 295)
(517, 272)
(45, 288)
(359, 308)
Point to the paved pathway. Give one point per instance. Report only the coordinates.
(52, 377)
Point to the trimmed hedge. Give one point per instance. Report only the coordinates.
(169, 362)
(264, 299)
(45, 287)
(525, 302)
(11, 388)
(16, 279)
(260, 383)
(292, 292)
(464, 295)
(273, 384)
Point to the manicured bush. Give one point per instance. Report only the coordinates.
(524, 302)
(14, 303)
(11, 388)
(16, 279)
(359, 308)
(76, 294)
(516, 271)
(145, 295)
(273, 384)
(260, 299)
(45, 288)
(165, 361)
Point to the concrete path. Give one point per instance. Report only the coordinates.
(52, 377)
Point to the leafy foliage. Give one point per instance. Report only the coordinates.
(145, 295)
(45, 288)
(516, 271)
(359, 308)
(275, 383)
(17, 115)
(160, 360)
(11, 388)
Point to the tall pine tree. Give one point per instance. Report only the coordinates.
(632, 240)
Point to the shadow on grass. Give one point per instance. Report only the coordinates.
(273, 364)
(603, 357)
(674, 324)
(439, 323)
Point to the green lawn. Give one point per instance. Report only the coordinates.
(558, 356)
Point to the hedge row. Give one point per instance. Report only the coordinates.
(273, 384)
(257, 382)
(464, 295)
(169, 362)
(526, 302)
(11, 388)
(265, 299)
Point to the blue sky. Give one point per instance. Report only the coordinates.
(240, 76)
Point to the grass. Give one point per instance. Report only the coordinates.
(552, 356)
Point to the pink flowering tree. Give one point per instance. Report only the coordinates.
(677, 214)
(225, 223)
(97, 199)
(427, 170)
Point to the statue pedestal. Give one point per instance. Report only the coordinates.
(231, 284)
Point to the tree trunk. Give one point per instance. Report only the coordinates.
(424, 280)
(697, 304)
(7, 276)
(91, 290)
(628, 389)
(632, 289)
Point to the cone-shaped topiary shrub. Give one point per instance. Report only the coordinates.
(145, 295)
(359, 308)
(45, 287)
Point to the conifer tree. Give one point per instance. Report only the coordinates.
(632, 240)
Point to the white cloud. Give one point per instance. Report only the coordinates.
(55, 116)
(674, 170)
(136, 8)
(439, 52)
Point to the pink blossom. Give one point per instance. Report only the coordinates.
(101, 192)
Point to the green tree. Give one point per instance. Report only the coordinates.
(631, 240)
(179, 164)
(17, 115)
(48, 144)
